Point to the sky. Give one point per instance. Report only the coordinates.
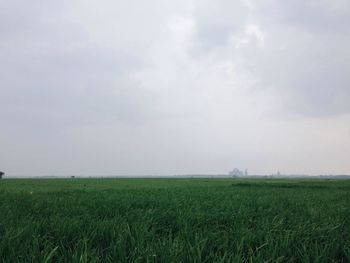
(158, 87)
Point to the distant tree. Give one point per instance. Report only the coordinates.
(1, 174)
(236, 173)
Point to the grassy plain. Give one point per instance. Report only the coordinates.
(174, 220)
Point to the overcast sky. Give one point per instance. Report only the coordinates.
(97, 87)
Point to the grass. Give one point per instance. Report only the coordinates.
(164, 220)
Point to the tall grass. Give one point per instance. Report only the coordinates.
(140, 220)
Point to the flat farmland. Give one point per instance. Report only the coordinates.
(174, 220)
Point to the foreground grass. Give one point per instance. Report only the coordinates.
(163, 220)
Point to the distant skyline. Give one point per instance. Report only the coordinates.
(174, 87)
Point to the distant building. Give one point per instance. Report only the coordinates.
(1, 174)
(236, 172)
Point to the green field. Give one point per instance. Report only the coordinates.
(174, 220)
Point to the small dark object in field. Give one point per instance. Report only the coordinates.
(1, 174)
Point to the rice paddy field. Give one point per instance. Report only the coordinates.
(174, 220)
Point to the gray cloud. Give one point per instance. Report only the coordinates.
(112, 87)
(304, 59)
(217, 21)
(313, 61)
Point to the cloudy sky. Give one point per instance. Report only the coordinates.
(97, 87)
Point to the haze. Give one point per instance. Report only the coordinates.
(174, 87)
